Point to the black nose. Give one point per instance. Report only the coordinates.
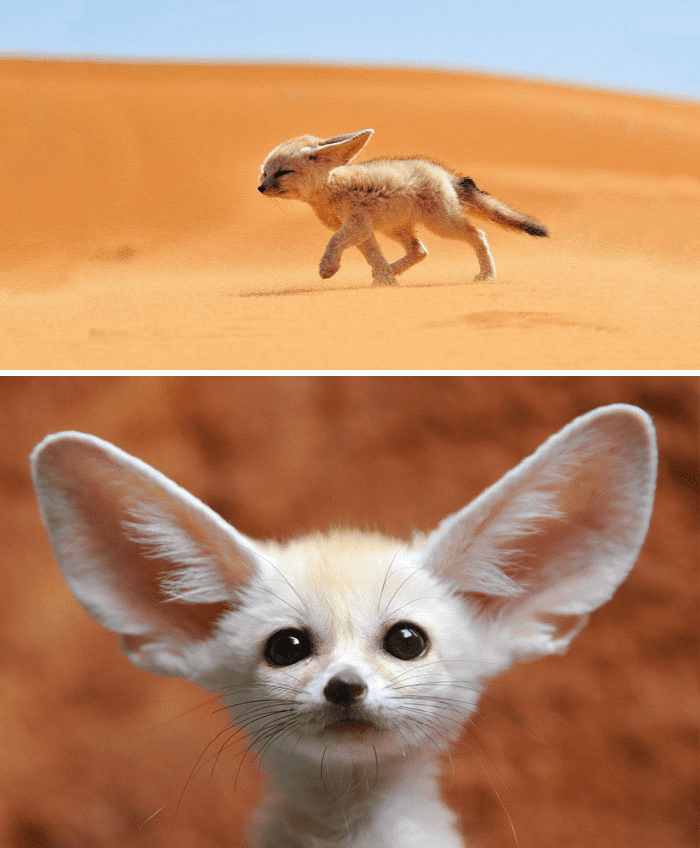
(261, 188)
(343, 692)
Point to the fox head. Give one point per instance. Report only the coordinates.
(352, 642)
(300, 166)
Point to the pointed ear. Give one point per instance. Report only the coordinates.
(554, 538)
(343, 148)
(143, 556)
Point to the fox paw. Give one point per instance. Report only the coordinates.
(387, 280)
(327, 268)
(484, 276)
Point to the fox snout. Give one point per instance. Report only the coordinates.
(344, 689)
(271, 182)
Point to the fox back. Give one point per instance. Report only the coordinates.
(351, 659)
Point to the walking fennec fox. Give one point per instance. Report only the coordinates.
(352, 659)
(390, 196)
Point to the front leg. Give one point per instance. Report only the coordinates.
(353, 231)
(382, 272)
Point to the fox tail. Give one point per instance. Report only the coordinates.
(480, 203)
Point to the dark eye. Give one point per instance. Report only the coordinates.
(287, 647)
(406, 641)
(278, 174)
(312, 158)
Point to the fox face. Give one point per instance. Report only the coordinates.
(300, 167)
(353, 642)
(352, 637)
(287, 167)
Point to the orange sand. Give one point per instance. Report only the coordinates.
(133, 235)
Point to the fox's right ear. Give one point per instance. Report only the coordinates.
(344, 148)
(143, 556)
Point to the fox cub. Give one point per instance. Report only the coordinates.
(351, 659)
(390, 196)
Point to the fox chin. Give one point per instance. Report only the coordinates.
(389, 196)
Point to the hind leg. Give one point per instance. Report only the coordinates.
(456, 226)
(414, 247)
(487, 267)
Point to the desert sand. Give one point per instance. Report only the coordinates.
(597, 748)
(133, 235)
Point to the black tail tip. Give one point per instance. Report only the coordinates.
(535, 229)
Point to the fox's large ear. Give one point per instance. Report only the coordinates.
(343, 148)
(554, 538)
(143, 556)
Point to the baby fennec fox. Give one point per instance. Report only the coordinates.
(390, 196)
(352, 659)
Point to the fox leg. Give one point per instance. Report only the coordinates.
(356, 232)
(458, 227)
(382, 272)
(414, 247)
(352, 232)
(487, 267)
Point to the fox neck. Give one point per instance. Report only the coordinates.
(317, 188)
(323, 199)
(328, 800)
(315, 193)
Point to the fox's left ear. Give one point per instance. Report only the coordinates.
(553, 539)
(344, 148)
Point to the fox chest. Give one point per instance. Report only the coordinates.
(330, 216)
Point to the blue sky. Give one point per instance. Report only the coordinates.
(648, 46)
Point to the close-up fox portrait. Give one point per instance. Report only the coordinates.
(351, 658)
(390, 196)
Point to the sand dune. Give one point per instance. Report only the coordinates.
(597, 748)
(133, 236)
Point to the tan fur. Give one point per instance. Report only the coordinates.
(390, 196)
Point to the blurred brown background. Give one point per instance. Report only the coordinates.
(595, 748)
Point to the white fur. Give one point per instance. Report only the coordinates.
(511, 576)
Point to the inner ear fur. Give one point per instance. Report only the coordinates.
(344, 148)
(553, 539)
(145, 557)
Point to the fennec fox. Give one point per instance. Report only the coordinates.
(390, 196)
(352, 659)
